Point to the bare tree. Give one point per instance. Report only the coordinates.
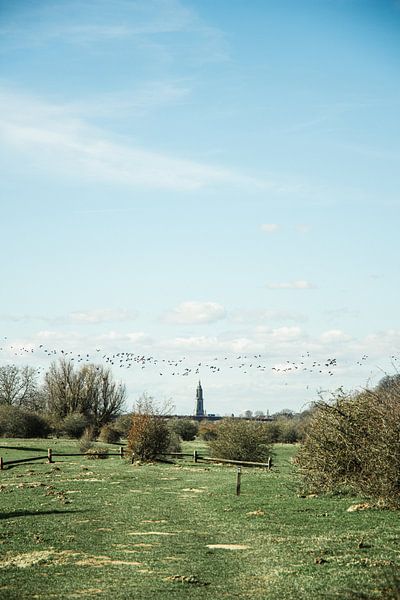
(62, 389)
(89, 390)
(18, 386)
(104, 398)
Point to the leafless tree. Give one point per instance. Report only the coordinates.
(90, 390)
(18, 386)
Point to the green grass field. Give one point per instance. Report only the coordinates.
(83, 528)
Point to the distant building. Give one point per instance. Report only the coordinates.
(199, 402)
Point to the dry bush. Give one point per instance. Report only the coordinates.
(208, 431)
(86, 439)
(185, 428)
(96, 453)
(174, 444)
(109, 434)
(288, 428)
(123, 425)
(149, 435)
(353, 443)
(241, 440)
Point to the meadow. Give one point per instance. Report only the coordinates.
(82, 528)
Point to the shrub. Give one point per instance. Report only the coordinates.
(208, 431)
(185, 428)
(96, 453)
(123, 425)
(149, 435)
(86, 440)
(241, 440)
(15, 422)
(288, 429)
(174, 444)
(353, 444)
(109, 434)
(74, 425)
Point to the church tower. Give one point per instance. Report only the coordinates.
(199, 401)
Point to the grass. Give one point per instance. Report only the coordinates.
(105, 529)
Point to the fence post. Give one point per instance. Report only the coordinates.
(1, 463)
(49, 455)
(238, 478)
(121, 451)
(269, 462)
(195, 456)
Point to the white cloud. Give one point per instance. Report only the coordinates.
(135, 337)
(191, 343)
(270, 227)
(101, 315)
(260, 315)
(300, 284)
(188, 313)
(335, 335)
(279, 334)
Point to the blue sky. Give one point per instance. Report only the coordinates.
(198, 181)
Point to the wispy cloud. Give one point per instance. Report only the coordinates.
(342, 313)
(335, 336)
(144, 24)
(95, 316)
(261, 315)
(104, 315)
(190, 313)
(58, 142)
(303, 228)
(278, 334)
(270, 227)
(300, 284)
(143, 99)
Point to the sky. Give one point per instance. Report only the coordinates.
(202, 190)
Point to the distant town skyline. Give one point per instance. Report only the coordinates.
(197, 189)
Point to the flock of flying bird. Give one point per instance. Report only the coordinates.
(246, 363)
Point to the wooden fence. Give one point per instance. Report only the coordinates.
(197, 458)
(123, 451)
(50, 455)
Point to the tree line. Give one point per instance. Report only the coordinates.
(68, 397)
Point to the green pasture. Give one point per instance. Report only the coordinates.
(107, 529)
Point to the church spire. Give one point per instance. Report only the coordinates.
(199, 401)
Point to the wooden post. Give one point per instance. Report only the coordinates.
(49, 455)
(133, 458)
(269, 462)
(195, 457)
(1, 463)
(121, 451)
(238, 478)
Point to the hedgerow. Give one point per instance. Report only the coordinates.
(239, 439)
(353, 444)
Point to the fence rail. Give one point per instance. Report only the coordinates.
(122, 451)
(244, 463)
(22, 460)
(50, 455)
